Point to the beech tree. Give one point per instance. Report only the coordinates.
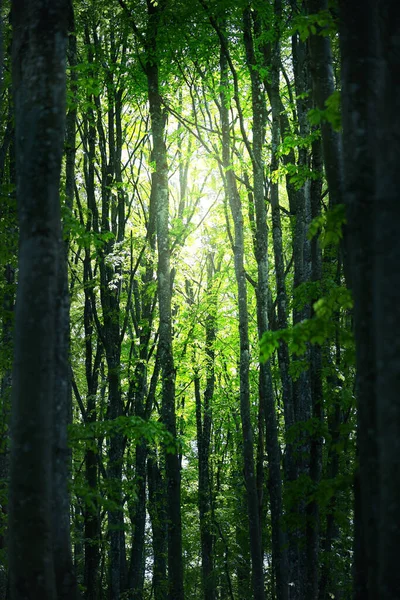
(369, 59)
(40, 552)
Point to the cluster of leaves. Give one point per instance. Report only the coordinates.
(329, 225)
(330, 114)
(316, 330)
(321, 23)
(298, 174)
(132, 427)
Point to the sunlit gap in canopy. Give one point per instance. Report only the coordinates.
(196, 197)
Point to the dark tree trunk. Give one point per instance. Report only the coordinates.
(91, 510)
(206, 537)
(9, 232)
(371, 127)
(359, 106)
(323, 87)
(386, 293)
(315, 353)
(203, 426)
(138, 508)
(70, 122)
(39, 52)
(281, 128)
(112, 222)
(243, 560)
(8, 302)
(248, 458)
(299, 201)
(158, 518)
(62, 417)
(172, 463)
(267, 401)
(327, 583)
(93, 356)
(142, 401)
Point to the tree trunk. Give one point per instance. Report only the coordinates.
(203, 424)
(138, 508)
(158, 519)
(323, 87)
(93, 358)
(112, 222)
(39, 51)
(142, 403)
(358, 74)
(279, 555)
(249, 470)
(370, 112)
(315, 353)
(62, 417)
(91, 510)
(10, 237)
(172, 463)
(386, 294)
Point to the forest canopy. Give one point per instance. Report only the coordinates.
(199, 300)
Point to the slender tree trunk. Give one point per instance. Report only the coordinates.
(93, 358)
(172, 463)
(249, 469)
(203, 426)
(138, 509)
(142, 401)
(206, 538)
(243, 561)
(62, 417)
(315, 353)
(327, 584)
(138, 517)
(323, 87)
(112, 221)
(91, 510)
(70, 122)
(279, 555)
(280, 128)
(158, 518)
(299, 209)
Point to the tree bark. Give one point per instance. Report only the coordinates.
(370, 109)
(10, 236)
(279, 555)
(323, 87)
(172, 463)
(93, 352)
(203, 430)
(386, 293)
(158, 519)
(39, 54)
(62, 417)
(359, 100)
(249, 470)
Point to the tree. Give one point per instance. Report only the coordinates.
(370, 139)
(40, 559)
(244, 360)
